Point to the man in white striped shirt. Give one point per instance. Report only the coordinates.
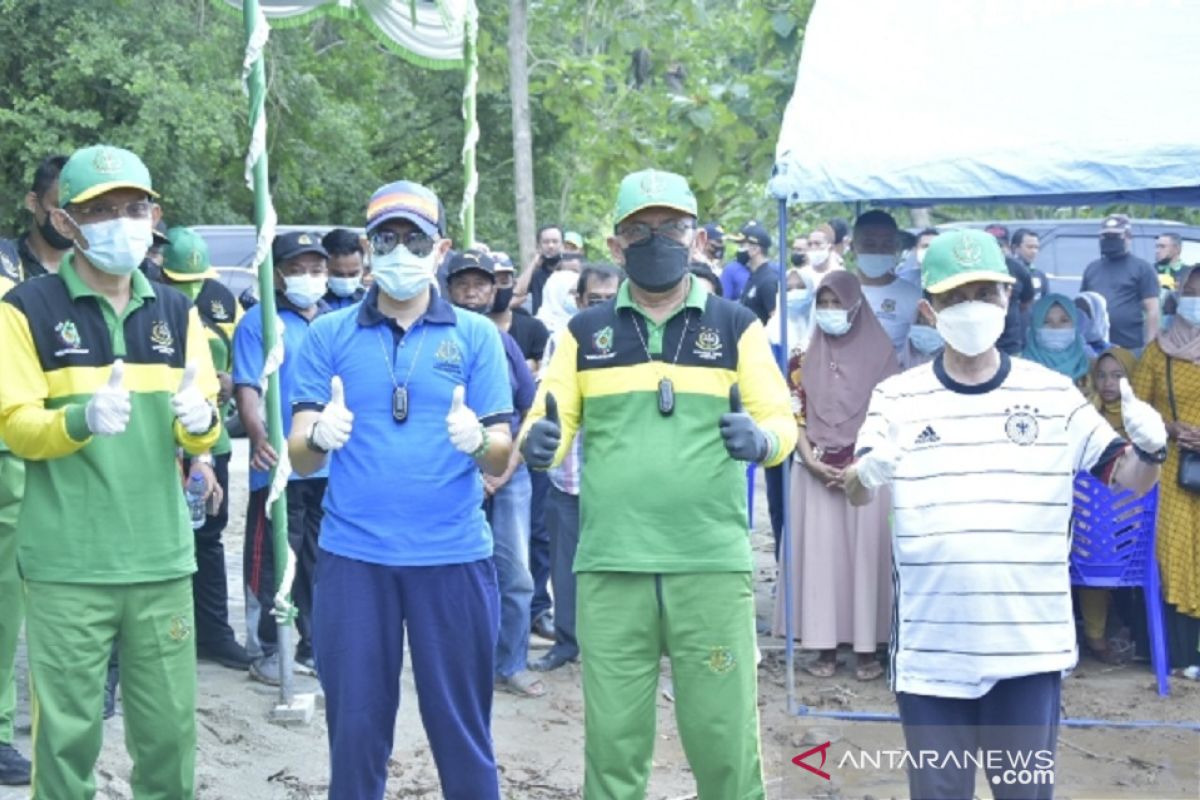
(981, 452)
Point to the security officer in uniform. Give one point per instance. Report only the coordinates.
(104, 375)
(187, 267)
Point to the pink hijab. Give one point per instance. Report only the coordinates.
(840, 372)
(1182, 339)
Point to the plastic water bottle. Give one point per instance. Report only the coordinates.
(197, 507)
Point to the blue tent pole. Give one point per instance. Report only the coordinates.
(785, 551)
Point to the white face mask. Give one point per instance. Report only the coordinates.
(344, 287)
(875, 265)
(1189, 309)
(818, 256)
(921, 255)
(118, 245)
(1056, 339)
(303, 291)
(971, 328)
(834, 321)
(401, 274)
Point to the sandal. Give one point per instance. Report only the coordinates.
(821, 668)
(870, 671)
(1100, 651)
(523, 684)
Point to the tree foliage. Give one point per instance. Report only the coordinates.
(695, 86)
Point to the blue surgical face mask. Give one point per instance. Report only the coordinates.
(402, 275)
(834, 321)
(1056, 339)
(925, 339)
(1189, 309)
(798, 302)
(118, 245)
(875, 265)
(344, 287)
(303, 291)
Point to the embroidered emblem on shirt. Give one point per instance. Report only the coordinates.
(448, 353)
(602, 340)
(928, 436)
(721, 660)
(68, 334)
(1021, 426)
(888, 306)
(161, 339)
(708, 344)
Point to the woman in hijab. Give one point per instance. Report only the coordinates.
(558, 300)
(1054, 340)
(799, 301)
(1170, 366)
(1093, 322)
(1112, 365)
(841, 562)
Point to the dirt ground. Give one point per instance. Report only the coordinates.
(539, 742)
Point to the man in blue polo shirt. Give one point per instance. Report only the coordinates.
(408, 399)
(300, 282)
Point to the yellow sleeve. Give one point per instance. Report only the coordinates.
(765, 394)
(560, 378)
(31, 430)
(206, 381)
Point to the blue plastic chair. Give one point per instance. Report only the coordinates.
(1112, 546)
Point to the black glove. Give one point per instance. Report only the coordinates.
(744, 440)
(544, 437)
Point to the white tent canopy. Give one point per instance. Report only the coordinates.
(968, 101)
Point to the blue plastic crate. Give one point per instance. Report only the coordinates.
(1112, 540)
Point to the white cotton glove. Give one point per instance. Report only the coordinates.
(107, 413)
(1143, 424)
(191, 408)
(878, 467)
(332, 429)
(463, 426)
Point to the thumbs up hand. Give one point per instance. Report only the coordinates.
(541, 443)
(107, 413)
(1143, 425)
(744, 440)
(332, 429)
(191, 408)
(466, 432)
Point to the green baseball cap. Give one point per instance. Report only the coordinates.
(94, 170)
(962, 256)
(573, 237)
(651, 188)
(185, 258)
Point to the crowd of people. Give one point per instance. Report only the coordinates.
(439, 406)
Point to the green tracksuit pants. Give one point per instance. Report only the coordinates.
(705, 623)
(70, 629)
(12, 600)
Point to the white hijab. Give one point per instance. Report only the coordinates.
(558, 306)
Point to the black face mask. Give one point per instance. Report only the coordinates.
(798, 259)
(1112, 246)
(550, 262)
(743, 257)
(52, 237)
(502, 301)
(1163, 262)
(657, 264)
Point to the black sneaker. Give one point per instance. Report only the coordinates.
(227, 653)
(543, 627)
(14, 767)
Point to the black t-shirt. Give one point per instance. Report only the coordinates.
(529, 333)
(761, 292)
(1012, 341)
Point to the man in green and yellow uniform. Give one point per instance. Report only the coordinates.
(103, 374)
(186, 266)
(657, 377)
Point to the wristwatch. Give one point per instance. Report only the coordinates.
(310, 444)
(1157, 457)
